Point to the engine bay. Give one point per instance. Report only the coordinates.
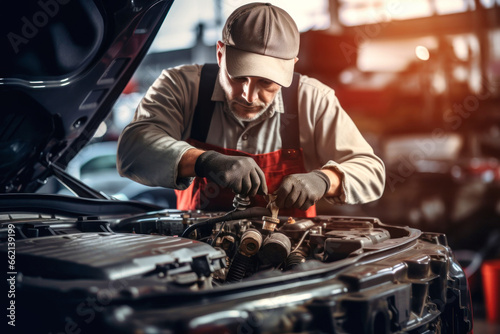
(192, 249)
(94, 264)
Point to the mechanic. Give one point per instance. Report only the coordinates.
(249, 125)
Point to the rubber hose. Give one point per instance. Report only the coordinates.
(256, 211)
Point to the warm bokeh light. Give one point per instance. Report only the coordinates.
(422, 52)
(358, 12)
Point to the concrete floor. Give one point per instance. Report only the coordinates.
(482, 326)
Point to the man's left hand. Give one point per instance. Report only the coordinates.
(302, 190)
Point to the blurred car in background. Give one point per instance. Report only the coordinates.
(95, 165)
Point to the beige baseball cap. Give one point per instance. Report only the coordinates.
(261, 40)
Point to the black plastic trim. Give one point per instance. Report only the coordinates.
(71, 206)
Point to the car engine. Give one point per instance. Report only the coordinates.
(154, 270)
(187, 247)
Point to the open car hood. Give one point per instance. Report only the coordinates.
(64, 64)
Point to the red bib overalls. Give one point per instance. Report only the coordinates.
(204, 194)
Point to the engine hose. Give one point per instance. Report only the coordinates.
(239, 267)
(294, 259)
(301, 240)
(256, 211)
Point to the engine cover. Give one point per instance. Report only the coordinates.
(109, 256)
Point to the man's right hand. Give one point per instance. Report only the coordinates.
(241, 174)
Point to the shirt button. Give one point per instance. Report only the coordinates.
(244, 137)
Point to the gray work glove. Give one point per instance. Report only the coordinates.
(241, 174)
(302, 190)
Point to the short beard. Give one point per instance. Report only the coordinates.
(262, 105)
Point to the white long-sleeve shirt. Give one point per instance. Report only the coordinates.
(152, 145)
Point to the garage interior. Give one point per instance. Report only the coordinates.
(421, 79)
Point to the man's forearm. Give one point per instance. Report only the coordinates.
(188, 160)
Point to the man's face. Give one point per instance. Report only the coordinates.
(247, 97)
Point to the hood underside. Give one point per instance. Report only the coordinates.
(64, 65)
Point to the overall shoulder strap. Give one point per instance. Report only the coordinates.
(289, 121)
(204, 106)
